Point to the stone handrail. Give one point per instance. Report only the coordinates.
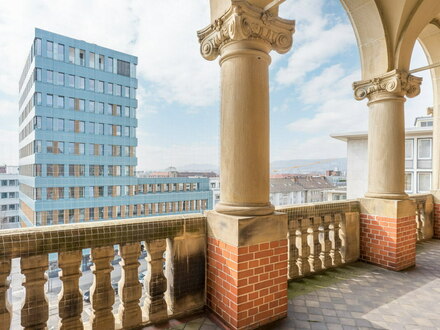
(174, 245)
(424, 216)
(322, 236)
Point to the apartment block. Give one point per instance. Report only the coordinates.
(8, 197)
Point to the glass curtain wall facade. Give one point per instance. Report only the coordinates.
(77, 134)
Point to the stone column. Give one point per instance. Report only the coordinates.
(388, 216)
(386, 131)
(247, 241)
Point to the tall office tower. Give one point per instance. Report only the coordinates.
(77, 131)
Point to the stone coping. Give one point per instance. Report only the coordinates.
(320, 209)
(23, 242)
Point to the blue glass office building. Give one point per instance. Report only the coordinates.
(77, 115)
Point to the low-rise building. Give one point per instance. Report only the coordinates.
(418, 159)
(9, 202)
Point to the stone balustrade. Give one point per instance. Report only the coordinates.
(322, 236)
(424, 216)
(174, 283)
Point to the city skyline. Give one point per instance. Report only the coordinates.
(311, 94)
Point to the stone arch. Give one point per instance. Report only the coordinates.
(386, 31)
(429, 38)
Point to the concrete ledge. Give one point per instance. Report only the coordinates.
(244, 231)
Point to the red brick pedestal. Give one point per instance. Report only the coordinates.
(247, 269)
(436, 221)
(388, 233)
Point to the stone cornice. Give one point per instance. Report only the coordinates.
(243, 21)
(395, 82)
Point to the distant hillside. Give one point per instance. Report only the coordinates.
(309, 165)
(284, 166)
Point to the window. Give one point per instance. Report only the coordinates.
(424, 179)
(71, 55)
(101, 62)
(117, 110)
(408, 181)
(82, 57)
(132, 132)
(92, 85)
(81, 127)
(71, 104)
(60, 52)
(127, 111)
(49, 49)
(38, 98)
(424, 148)
(123, 68)
(126, 151)
(49, 76)
(108, 129)
(101, 107)
(48, 126)
(109, 88)
(118, 130)
(38, 74)
(37, 46)
(91, 107)
(60, 102)
(100, 87)
(109, 64)
(60, 78)
(92, 60)
(49, 169)
(49, 100)
(38, 146)
(70, 126)
(126, 131)
(71, 192)
(81, 148)
(118, 90)
(109, 109)
(81, 104)
(126, 91)
(37, 122)
(71, 80)
(99, 128)
(90, 128)
(58, 124)
(80, 82)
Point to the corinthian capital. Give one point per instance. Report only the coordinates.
(244, 21)
(395, 82)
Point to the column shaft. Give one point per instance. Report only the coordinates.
(245, 129)
(386, 147)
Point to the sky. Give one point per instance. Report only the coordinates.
(178, 94)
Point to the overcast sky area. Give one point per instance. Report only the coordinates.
(178, 94)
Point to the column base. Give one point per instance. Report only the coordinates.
(436, 195)
(388, 232)
(244, 210)
(387, 196)
(247, 269)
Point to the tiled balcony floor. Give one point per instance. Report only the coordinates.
(360, 296)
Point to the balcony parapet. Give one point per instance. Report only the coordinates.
(174, 283)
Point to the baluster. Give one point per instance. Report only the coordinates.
(303, 247)
(155, 306)
(315, 246)
(293, 250)
(130, 313)
(102, 295)
(335, 241)
(70, 302)
(5, 306)
(325, 243)
(170, 293)
(421, 216)
(342, 236)
(35, 310)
